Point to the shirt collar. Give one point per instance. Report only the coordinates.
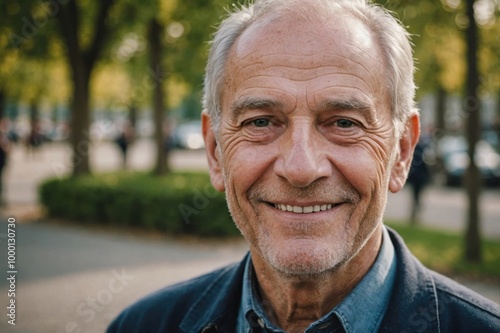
(364, 308)
(361, 311)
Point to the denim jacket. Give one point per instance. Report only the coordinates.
(422, 301)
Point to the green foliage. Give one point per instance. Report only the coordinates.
(179, 203)
(443, 252)
(437, 29)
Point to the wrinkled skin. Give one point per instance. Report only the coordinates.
(306, 126)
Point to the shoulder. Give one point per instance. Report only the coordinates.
(426, 301)
(463, 309)
(164, 310)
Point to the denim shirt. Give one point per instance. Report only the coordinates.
(361, 311)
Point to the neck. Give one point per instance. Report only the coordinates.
(293, 302)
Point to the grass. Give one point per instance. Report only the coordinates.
(444, 252)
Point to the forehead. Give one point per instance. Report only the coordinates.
(339, 32)
(340, 49)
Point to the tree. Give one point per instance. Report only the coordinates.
(448, 51)
(177, 37)
(31, 59)
(154, 33)
(472, 106)
(82, 59)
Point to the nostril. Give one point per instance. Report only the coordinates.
(302, 157)
(303, 171)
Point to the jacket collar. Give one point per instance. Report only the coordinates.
(217, 308)
(414, 304)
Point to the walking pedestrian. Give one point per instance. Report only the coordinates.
(418, 178)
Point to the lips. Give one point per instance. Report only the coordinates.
(304, 209)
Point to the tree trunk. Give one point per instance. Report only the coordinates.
(81, 62)
(132, 114)
(34, 113)
(154, 34)
(2, 104)
(440, 111)
(497, 122)
(80, 121)
(472, 106)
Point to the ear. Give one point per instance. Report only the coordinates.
(212, 150)
(406, 146)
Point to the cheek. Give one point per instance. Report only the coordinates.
(364, 165)
(244, 164)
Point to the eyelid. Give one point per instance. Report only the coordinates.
(249, 104)
(335, 120)
(250, 120)
(352, 122)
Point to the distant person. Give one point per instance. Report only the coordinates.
(418, 178)
(124, 139)
(12, 132)
(4, 154)
(35, 140)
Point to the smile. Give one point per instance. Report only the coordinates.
(304, 209)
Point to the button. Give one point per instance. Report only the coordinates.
(261, 322)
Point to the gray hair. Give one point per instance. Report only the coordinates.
(391, 35)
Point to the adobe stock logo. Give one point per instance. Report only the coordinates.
(88, 309)
(200, 201)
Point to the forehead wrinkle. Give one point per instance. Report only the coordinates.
(304, 75)
(344, 104)
(362, 64)
(325, 90)
(302, 61)
(301, 67)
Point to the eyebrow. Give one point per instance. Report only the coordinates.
(247, 103)
(345, 104)
(353, 104)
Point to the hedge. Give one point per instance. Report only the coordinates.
(179, 203)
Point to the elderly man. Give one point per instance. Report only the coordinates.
(309, 121)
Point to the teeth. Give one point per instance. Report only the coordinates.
(303, 210)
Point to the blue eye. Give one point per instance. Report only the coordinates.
(344, 123)
(261, 122)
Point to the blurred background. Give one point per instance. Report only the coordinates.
(103, 165)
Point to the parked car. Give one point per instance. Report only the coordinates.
(188, 136)
(452, 151)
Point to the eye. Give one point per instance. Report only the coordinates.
(260, 122)
(344, 123)
(262, 128)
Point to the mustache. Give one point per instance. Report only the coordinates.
(317, 191)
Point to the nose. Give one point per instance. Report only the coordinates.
(303, 158)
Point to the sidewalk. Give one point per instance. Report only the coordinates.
(76, 279)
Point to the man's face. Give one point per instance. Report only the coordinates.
(305, 149)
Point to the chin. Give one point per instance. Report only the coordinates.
(304, 256)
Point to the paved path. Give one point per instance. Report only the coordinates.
(76, 279)
(74, 276)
